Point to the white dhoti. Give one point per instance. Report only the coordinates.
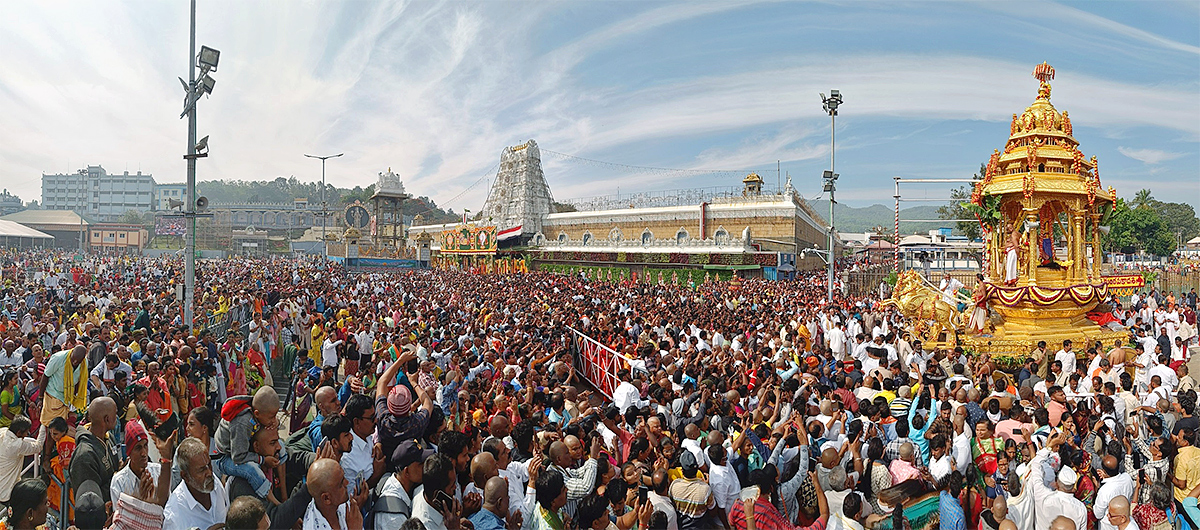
(1010, 265)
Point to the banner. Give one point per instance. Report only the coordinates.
(468, 238)
(169, 226)
(597, 363)
(1125, 284)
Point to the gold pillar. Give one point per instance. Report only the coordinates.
(1097, 249)
(1078, 269)
(1031, 217)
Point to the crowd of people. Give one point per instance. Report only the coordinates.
(307, 397)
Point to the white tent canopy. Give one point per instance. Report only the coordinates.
(14, 234)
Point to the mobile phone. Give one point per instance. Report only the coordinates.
(643, 493)
(168, 426)
(1018, 431)
(445, 500)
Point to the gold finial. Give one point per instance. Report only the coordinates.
(1044, 73)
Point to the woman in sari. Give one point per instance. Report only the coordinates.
(876, 476)
(237, 374)
(1159, 513)
(59, 458)
(914, 501)
(986, 447)
(1089, 483)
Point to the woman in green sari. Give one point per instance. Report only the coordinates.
(913, 505)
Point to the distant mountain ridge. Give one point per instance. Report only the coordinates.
(865, 219)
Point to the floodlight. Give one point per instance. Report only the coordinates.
(827, 174)
(209, 58)
(206, 84)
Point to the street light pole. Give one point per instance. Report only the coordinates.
(324, 209)
(207, 61)
(189, 272)
(830, 104)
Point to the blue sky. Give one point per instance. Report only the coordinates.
(435, 90)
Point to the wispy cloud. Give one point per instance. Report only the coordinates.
(1148, 156)
(436, 89)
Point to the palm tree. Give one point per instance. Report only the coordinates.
(1142, 199)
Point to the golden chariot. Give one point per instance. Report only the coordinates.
(1042, 209)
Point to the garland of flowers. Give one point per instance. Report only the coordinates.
(1045, 296)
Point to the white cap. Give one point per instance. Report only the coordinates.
(1067, 477)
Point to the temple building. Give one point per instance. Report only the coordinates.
(745, 229)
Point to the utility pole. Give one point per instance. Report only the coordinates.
(207, 61)
(830, 104)
(189, 253)
(324, 205)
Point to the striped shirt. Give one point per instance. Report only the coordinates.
(692, 497)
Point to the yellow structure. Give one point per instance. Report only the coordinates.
(1041, 206)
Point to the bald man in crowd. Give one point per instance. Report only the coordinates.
(94, 457)
(331, 506)
(495, 514)
(1063, 522)
(483, 468)
(1118, 514)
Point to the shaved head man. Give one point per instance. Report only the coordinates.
(327, 484)
(1118, 513)
(94, 458)
(1062, 522)
(483, 468)
(495, 506)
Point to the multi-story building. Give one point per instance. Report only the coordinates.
(165, 193)
(10, 203)
(274, 216)
(96, 193)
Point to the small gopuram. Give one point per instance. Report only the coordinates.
(1042, 209)
(387, 227)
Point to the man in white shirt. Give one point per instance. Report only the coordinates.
(137, 448)
(1112, 485)
(329, 356)
(200, 500)
(1165, 374)
(331, 501)
(1066, 356)
(626, 395)
(1051, 503)
(15, 445)
(358, 464)
(837, 340)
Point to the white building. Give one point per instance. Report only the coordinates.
(165, 193)
(96, 193)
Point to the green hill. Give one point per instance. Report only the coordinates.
(849, 219)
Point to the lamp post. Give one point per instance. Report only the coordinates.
(83, 178)
(830, 104)
(324, 213)
(207, 62)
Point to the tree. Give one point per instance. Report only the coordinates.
(956, 209)
(1143, 199)
(1180, 218)
(1138, 230)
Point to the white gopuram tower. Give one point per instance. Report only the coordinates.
(519, 199)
